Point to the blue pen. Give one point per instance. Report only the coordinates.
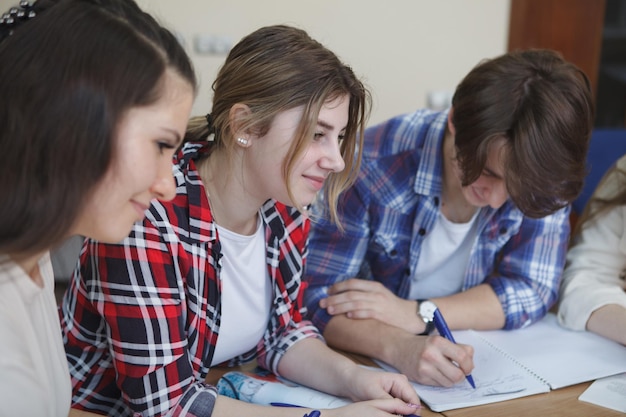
(285, 405)
(444, 330)
(314, 413)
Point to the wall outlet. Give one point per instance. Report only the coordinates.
(439, 100)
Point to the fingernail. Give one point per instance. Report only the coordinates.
(417, 406)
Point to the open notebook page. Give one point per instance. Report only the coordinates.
(497, 378)
(560, 356)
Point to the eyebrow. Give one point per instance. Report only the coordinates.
(328, 126)
(492, 173)
(179, 139)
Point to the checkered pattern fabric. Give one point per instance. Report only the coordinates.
(141, 318)
(394, 205)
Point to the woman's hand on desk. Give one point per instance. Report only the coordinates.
(312, 363)
(227, 407)
(363, 384)
(609, 321)
(375, 408)
(362, 299)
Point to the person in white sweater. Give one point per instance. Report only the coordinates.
(593, 292)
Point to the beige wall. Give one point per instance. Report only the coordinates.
(402, 49)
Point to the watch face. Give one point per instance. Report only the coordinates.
(427, 310)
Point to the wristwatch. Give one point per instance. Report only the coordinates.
(426, 311)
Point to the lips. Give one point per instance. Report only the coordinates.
(140, 208)
(474, 197)
(478, 195)
(316, 182)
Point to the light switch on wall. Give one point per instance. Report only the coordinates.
(209, 44)
(439, 100)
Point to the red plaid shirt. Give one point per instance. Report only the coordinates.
(141, 318)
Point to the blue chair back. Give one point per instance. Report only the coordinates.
(605, 148)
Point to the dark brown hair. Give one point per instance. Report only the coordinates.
(278, 68)
(542, 106)
(68, 77)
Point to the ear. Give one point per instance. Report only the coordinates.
(239, 113)
(450, 124)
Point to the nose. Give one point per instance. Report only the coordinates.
(332, 159)
(164, 187)
(498, 195)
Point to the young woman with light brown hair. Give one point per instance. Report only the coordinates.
(214, 277)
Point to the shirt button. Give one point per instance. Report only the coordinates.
(422, 231)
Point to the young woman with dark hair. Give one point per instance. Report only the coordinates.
(95, 100)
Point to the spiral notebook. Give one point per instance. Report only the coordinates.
(519, 363)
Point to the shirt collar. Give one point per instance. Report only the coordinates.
(429, 176)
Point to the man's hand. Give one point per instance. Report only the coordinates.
(362, 299)
(433, 360)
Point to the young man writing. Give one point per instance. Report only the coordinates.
(467, 209)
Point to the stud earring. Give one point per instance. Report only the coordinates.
(242, 141)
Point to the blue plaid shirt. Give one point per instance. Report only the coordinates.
(393, 206)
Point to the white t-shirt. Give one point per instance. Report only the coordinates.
(246, 293)
(443, 259)
(34, 376)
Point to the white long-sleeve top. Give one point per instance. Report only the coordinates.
(34, 376)
(594, 271)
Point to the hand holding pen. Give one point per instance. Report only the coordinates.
(430, 314)
(444, 331)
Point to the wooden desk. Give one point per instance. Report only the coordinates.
(558, 403)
